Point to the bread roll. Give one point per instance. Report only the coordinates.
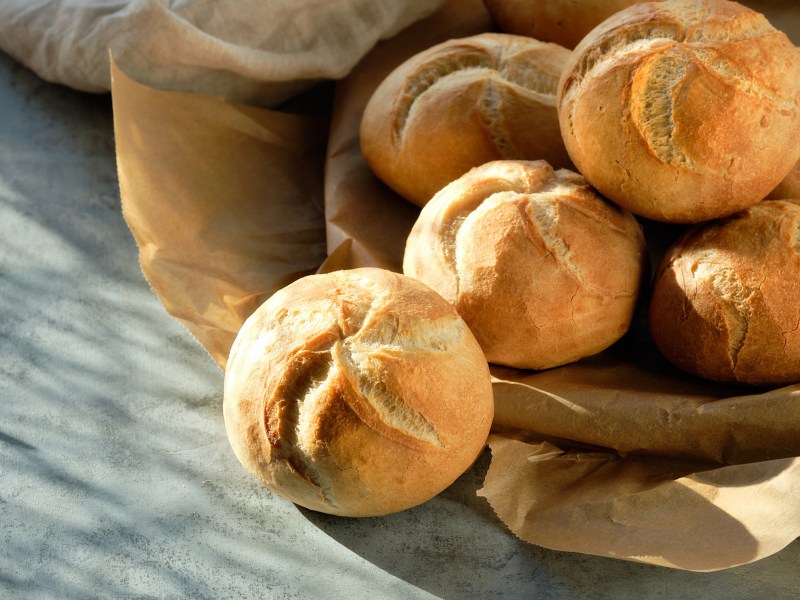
(563, 22)
(460, 104)
(789, 188)
(724, 304)
(567, 22)
(543, 270)
(683, 111)
(357, 393)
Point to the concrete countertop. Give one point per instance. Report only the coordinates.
(116, 477)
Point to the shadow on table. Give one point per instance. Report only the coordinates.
(455, 547)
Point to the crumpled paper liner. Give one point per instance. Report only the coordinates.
(645, 406)
(224, 201)
(623, 456)
(617, 455)
(646, 509)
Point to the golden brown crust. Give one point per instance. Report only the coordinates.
(357, 393)
(564, 22)
(683, 111)
(725, 304)
(460, 104)
(542, 269)
(789, 188)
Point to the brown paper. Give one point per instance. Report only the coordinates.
(224, 201)
(655, 510)
(644, 406)
(617, 455)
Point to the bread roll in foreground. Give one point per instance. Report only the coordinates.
(460, 104)
(357, 393)
(543, 270)
(726, 298)
(683, 111)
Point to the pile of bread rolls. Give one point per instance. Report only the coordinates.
(365, 392)
(678, 111)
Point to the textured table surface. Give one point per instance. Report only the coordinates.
(116, 478)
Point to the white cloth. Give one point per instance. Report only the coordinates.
(259, 51)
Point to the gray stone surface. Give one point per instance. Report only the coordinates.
(116, 478)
